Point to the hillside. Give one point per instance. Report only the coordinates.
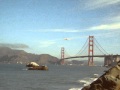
(8, 55)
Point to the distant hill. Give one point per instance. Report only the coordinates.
(8, 55)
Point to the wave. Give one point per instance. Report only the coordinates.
(86, 81)
(76, 88)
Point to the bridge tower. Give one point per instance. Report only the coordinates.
(62, 55)
(90, 51)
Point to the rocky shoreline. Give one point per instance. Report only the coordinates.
(110, 80)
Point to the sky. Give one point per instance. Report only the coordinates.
(44, 26)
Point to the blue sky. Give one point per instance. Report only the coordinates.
(41, 26)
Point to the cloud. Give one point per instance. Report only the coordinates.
(46, 43)
(67, 39)
(66, 30)
(95, 4)
(13, 45)
(113, 26)
(113, 18)
(57, 30)
(107, 34)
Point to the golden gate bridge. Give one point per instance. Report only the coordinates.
(89, 50)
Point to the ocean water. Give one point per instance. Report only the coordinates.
(58, 77)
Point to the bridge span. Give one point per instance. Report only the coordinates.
(90, 45)
(108, 59)
(92, 56)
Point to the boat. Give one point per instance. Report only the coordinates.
(35, 66)
(43, 67)
(32, 64)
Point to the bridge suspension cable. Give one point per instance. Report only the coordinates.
(83, 48)
(99, 46)
(67, 54)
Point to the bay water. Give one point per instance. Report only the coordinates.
(58, 77)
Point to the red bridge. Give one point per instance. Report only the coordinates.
(90, 46)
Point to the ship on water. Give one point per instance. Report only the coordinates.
(35, 66)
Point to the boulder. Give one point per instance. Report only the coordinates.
(110, 80)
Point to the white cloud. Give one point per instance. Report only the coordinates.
(46, 43)
(67, 39)
(106, 27)
(107, 35)
(94, 4)
(65, 30)
(57, 30)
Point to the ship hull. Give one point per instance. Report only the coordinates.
(38, 68)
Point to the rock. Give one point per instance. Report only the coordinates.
(110, 80)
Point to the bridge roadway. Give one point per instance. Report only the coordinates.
(92, 56)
